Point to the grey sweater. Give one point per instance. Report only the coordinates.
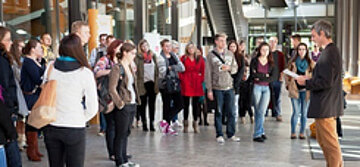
(214, 77)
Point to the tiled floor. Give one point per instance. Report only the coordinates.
(201, 150)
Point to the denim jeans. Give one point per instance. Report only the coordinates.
(277, 90)
(13, 157)
(261, 98)
(102, 122)
(225, 104)
(300, 108)
(2, 156)
(236, 107)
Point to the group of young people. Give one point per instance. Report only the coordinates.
(124, 80)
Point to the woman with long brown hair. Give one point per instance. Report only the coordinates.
(9, 97)
(302, 65)
(16, 53)
(65, 138)
(262, 72)
(123, 91)
(148, 82)
(191, 84)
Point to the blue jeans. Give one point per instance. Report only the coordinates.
(300, 106)
(13, 157)
(225, 104)
(261, 98)
(236, 107)
(2, 156)
(102, 122)
(277, 90)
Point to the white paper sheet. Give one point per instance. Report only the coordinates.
(290, 73)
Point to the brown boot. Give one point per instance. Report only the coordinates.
(186, 125)
(251, 120)
(31, 138)
(195, 126)
(37, 147)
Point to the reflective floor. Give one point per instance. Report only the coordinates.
(201, 150)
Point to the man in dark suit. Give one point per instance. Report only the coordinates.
(326, 101)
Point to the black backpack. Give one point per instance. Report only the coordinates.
(103, 89)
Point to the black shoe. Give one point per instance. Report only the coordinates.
(145, 129)
(152, 129)
(206, 124)
(129, 156)
(258, 139)
(263, 137)
(200, 122)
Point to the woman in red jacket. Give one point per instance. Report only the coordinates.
(191, 83)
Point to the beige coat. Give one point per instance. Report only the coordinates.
(290, 81)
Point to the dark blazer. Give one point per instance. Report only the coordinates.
(31, 79)
(326, 85)
(7, 81)
(7, 129)
(239, 75)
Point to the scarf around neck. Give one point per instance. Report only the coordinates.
(301, 64)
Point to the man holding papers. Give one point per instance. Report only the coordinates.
(326, 93)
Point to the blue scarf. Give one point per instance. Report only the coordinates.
(67, 58)
(301, 65)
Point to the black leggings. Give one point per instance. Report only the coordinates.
(172, 104)
(123, 120)
(195, 109)
(150, 96)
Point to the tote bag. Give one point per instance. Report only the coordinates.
(44, 110)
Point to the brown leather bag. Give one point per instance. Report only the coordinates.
(44, 110)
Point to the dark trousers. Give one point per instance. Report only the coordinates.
(110, 133)
(13, 157)
(65, 146)
(172, 104)
(338, 127)
(245, 99)
(123, 120)
(148, 98)
(276, 110)
(195, 107)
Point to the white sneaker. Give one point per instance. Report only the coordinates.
(235, 139)
(220, 139)
(130, 164)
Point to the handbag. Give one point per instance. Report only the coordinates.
(44, 110)
(172, 82)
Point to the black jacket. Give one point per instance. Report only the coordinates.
(326, 98)
(238, 76)
(7, 81)
(270, 77)
(7, 129)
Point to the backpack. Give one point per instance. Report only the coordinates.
(103, 90)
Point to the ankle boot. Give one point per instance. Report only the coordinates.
(31, 138)
(186, 125)
(145, 128)
(196, 128)
(152, 128)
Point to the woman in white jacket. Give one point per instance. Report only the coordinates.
(76, 103)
